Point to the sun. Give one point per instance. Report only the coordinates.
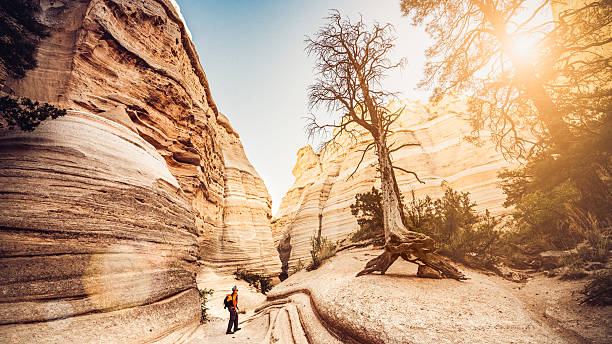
(523, 49)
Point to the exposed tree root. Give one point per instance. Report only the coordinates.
(413, 247)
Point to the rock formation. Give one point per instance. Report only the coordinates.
(104, 212)
(432, 142)
(331, 305)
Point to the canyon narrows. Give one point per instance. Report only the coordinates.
(107, 210)
(130, 218)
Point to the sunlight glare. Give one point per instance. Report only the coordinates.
(522, 48)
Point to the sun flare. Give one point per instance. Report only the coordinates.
(522, 48)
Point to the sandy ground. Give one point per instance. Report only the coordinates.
(331, 305)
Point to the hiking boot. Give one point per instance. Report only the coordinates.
(229, 332)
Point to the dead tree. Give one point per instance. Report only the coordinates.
(351, 64)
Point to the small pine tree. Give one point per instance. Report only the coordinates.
(25, 113)
(368, 211)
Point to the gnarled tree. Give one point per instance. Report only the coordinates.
(352, 61)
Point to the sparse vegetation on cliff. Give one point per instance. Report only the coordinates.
(20, 34)
(25, 113)
(204, 295)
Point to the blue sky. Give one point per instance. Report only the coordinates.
(253, 55)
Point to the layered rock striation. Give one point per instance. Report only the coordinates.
(98, 242)
(105, 211)
(430, 140)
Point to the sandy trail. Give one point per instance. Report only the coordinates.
(331, 305)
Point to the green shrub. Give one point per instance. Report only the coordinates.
(596, 234)
(25, 113)
(368, 211)
(419, 213)
(594, 248)
(20, 34)
(460, 232)
(541, 219)
(442, 219)
(321, 249)
(261, 283)
(204, 294)
(298, 267)
(476, 245)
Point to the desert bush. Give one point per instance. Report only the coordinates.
(261, 283)
(298, 267)
(204, 295)
(461, 233)
(476, 245)
(572, 272)
(442, 219)
(368, 211)
(596, 234)
(598, 292)
(595, 248)
(25, 113)
(541, 219)
(321, 249)
(419, 213)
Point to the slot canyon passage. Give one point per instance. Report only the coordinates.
(115, 215)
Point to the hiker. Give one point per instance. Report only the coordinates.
(231, 303)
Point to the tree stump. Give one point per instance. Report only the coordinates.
(414, 247)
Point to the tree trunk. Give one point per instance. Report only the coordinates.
(399, 241)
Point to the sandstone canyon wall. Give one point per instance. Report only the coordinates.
(438, 153)
(105, 211)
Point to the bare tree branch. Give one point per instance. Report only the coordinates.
(410, 172)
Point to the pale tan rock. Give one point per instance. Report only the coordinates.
(438, 152)
(104, 212)
(96, 236)
(245, 238)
